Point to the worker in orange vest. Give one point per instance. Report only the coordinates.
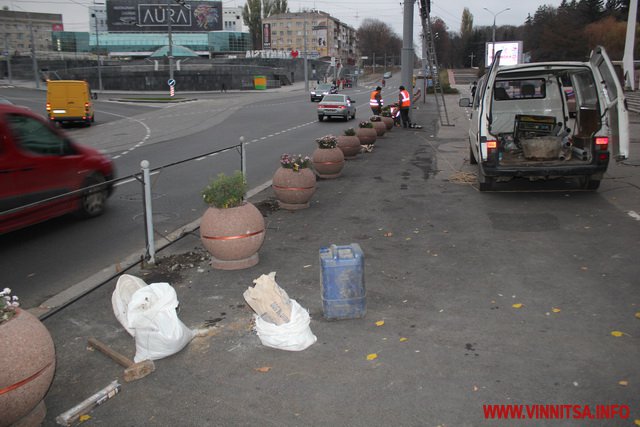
(404, 101)
(375, 101)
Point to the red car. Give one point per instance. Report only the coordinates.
(39, 165)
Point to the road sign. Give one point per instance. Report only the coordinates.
(171, 82)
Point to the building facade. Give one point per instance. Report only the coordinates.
(232, 19)
(20, 28)
(325, 35)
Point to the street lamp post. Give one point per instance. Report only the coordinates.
(493, 39)
(95, 17)
(170, 53)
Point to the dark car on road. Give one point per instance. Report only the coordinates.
(40, 165)
(336, 106)
(322, 90)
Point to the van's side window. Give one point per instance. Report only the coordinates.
(35, 137)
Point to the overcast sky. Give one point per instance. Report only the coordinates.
(352, 12)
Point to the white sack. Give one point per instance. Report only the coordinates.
(126, 286)
(295, 335)
(158, 331)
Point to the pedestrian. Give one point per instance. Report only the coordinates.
(224, 88)
(375, 101)
(383, 83)
(404, 100)
(473, 89)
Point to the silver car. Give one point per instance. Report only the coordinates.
(336, 106)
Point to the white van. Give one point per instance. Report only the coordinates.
(548, 120)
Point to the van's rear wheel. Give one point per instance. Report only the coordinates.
(485, 183)
(93, 200)
(589, 183)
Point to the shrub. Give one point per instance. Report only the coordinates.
(225, 191)
(295, 162)
(350, 132)
(365, 125)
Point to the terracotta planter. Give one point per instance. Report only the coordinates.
(232, 236)
(350, 146)
(388, 122)
(380, 128)
(28, 364)
(367, 136)
(294, 189)
(328, 162)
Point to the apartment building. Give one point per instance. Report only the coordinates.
(17, 29)
(326, 36)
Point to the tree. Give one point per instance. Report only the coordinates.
(253, 12)
(376, 37)
(252, 17)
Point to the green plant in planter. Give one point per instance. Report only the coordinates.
(327, 141)
(295, 162)
(365, 125)
(386, 111)
(350, 132)
(225, 191)
(375, 119)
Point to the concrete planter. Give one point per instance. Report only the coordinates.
(294, 189)
(388, 122)
(367, 136)
(233, 236)
(328, 162)
(350, 146)
(28, 364)
(380, 128)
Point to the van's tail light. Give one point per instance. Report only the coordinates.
(492, 152)
(86, 106)
(48, 106)
(492, 144)
(602, 142)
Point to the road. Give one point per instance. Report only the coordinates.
(45, 259)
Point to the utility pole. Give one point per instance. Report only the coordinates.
(407, 49)
(34, 61)
(6, 50)
(95, 17)
(627, 59)
(306, 73)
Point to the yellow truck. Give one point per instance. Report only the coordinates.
(70, 101)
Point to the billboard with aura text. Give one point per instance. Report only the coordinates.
(143, 16)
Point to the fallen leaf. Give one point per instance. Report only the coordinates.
(583, 268)
(84, 418)
(380, 323)
(307, 266)
(638, 315)
(617, 333)
(518, 305)
(389, 234)
(403, 339)
(372, 356)
(636, 422)
(555, 310)
(264, 369)
(475, 388)
(408, 238)
(623, 383)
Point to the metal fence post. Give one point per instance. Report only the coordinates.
(243, 160)
(148, 212)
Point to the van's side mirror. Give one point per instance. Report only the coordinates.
(464, 102)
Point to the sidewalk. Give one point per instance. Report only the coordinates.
(444, 349)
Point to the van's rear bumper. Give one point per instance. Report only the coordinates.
(573, 170)
(68, 118)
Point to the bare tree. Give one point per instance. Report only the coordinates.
(376, 37)
(255, 10)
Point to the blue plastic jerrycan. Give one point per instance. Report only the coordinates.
(342, 278)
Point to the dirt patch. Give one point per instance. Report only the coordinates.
(267, 206)
(169, 269)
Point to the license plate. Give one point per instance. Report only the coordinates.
(59, 111)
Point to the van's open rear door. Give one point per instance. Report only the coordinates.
(618, 116)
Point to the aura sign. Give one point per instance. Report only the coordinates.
(149, 16)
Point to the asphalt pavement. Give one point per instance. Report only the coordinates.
(451, 323)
